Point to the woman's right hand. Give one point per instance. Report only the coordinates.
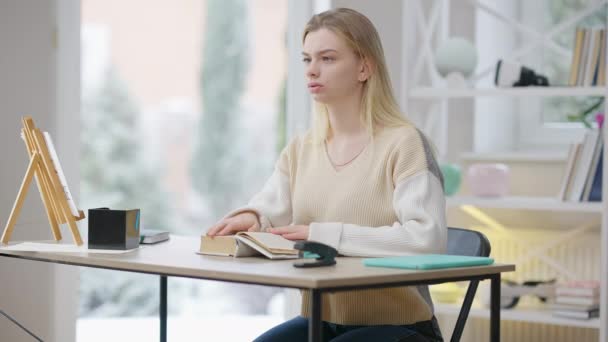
(245, 221)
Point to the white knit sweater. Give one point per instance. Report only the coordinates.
(387, 202)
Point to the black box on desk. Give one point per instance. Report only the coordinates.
(113, 229)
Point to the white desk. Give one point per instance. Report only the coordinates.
(177, 258)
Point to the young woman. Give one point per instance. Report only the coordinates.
(363, 180)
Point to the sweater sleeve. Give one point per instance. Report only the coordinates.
(418, 202)
(272, 204)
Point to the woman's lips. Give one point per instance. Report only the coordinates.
(314, 87)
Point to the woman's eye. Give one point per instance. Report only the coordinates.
(328, 59)
(306, 60)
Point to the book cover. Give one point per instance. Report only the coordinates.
(580, 81)
(577, 292)
(592, 57)
(245, 244)
(602, 69)
(576, 300)
(576, 56)
(428, 261)
(581, 288)
(595, 194)
(583, 164)
(149, 236)
(572, 307)
(567, 179)
(580, 284)
(597, 154)
(577, 314)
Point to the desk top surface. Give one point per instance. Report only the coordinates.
(177, 257)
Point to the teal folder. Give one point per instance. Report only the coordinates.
(428, 261)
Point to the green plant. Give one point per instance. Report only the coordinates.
(582, 117)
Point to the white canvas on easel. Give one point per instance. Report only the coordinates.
(60, 174)
(45, 168)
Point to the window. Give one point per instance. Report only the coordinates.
(183, 116)
(544, 122)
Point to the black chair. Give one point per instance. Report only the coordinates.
(470, 243)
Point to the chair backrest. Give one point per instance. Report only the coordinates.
(467, 242)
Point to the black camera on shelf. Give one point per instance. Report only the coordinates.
(509, 74)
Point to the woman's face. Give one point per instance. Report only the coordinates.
(333, 71)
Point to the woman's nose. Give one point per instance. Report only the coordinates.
(312, 70)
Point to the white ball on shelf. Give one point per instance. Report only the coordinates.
(456, 54)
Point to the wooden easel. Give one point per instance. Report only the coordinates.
(50, 188)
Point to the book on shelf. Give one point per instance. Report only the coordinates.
(601, 79)
(577, 314)
(592, 172)
(573, 154)
(595, 194)
(582, 288)
(589, 149)
(576, 56)
(592, 57)
(245, 244)
(577, 300)
(586, 68)
(572, 307)
(577, 291)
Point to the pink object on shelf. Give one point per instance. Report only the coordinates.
(599, 118)
(488, 180)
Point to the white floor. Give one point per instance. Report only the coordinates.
(226, 328)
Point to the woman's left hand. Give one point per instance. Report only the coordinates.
(299, 232)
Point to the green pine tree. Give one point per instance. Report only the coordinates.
(216, 163)
(112, 169)
(114, 175)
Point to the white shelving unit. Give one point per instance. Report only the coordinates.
(536, 315)
(437, 93)
(436, 23)
(526, 203)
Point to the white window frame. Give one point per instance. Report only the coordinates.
(298, 102)
(533, 132)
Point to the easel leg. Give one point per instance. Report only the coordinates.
(29, 175)
(42, 180)
(50, 206)
(74, 229)
(57, 195)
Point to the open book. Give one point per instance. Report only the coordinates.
(245, 244)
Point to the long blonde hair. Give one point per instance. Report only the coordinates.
(379, 107)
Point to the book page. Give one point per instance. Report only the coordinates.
(274, 243)
(60, 174)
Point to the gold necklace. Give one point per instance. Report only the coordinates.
(348, 162)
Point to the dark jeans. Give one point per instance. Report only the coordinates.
(296, 330)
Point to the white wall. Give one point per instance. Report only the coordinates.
(386, 17)
(39, 63)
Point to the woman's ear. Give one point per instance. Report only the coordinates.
(365, 70)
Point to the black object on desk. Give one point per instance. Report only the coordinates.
(326, 254)
(113, 229)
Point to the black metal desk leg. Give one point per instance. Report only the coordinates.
(314, 325)
(163, 309)
(495, 308)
